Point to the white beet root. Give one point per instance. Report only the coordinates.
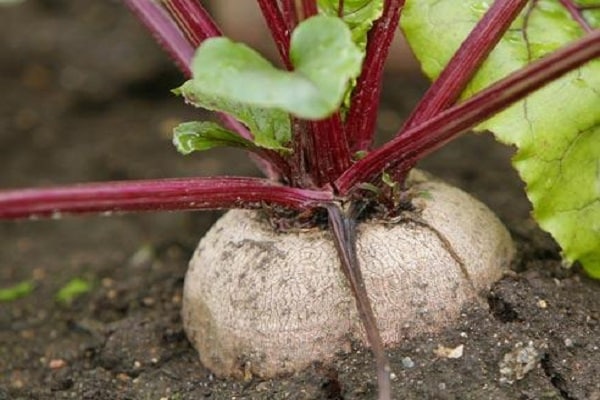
(266, 303)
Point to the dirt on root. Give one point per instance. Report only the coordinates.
(85, 98)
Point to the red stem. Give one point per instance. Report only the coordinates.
(165, 194)
(290, 14)
(165, 31)
(309, 8)
(466, 61)
(279, 29)
(405, 150)
(326, 147)
(362, 116)
(193, 20)
(299, 160)
(575, 12)
(328, 151)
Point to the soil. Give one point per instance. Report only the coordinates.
(85, 98)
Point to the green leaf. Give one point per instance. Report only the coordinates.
(197, 136)
(556, 129)
(359, 15)
(17, 291)
(233, 78)
(73, 289)
(271, 128)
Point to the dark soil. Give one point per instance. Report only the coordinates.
(85, 98)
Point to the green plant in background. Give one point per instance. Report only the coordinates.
(71, 290)
(17, 291)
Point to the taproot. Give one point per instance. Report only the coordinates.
(268, 303)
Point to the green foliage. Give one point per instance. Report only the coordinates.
(197, 136)
(359, 15)
(17, 291)
(73, 289)
(270, 127)
(232, 78)
(556, 129)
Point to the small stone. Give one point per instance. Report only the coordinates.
(442, 386)
(57, 363)
(148, 301)
(142, 256)
(176, 299)
(449, 352)
(518, 362)
(542, 304)
(137, 364)
(123, 377)
(262, 387)
(408, 363)
(569, 342)
(112, 294)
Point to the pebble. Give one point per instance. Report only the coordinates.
(57, 363)
(123, 377)
(407, 362)
(542, 304)
(518, 362)
(569, 342)
(449, 352)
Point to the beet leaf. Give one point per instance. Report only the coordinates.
(359, 15)
(227, 75)
(197, 136)
(558, 140)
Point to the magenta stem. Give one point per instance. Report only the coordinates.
(165, 31)
(309, 8)
(328, 149)
(162, 195)
(404, 151)
(290, 13)
(362, 116)
(575, 12)
(280, 31)
(299, 160)
(193, 20)
(466, 61)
